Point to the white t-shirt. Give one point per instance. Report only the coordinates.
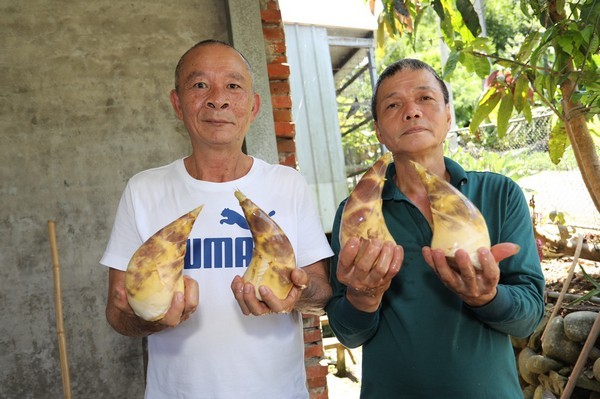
(219, 352)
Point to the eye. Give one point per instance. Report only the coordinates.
(200, 85)
(233, 86)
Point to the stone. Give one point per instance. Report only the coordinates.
(578, 325)
(528, 392)
(557, 345)
(554, 383)
(596, 369)
(541, 364)
(522, 360)
(588, 383)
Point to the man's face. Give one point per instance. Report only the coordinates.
(215, 99)
(412, 115)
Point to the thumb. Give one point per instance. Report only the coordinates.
(504, 250)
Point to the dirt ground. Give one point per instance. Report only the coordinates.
(555, 268)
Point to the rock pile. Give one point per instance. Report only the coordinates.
(545, 366)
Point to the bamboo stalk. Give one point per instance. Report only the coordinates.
(566, 284)
(60, 328)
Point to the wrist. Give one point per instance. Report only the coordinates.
(364, 299)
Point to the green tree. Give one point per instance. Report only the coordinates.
(556, 64)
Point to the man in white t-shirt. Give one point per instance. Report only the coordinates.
(210, 344)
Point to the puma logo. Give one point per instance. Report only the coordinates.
(232, 217)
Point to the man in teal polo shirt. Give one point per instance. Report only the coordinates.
(429, 330)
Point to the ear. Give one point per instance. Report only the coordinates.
(256, 105)
(176, 104)
(448, 117)
(378, 133)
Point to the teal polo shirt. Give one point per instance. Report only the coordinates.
(423, 341)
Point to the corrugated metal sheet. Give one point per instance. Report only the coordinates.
(314, 107)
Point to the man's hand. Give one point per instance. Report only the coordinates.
(475, 287)
(367, 267)
(122, 318)
(249, 304)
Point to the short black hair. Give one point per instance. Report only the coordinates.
(208, 42)
(413, 65)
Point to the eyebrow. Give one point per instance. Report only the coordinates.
(418, 88)
(234, 75)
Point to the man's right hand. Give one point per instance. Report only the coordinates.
(367, 267)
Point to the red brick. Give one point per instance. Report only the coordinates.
(311, 320)
(270, 16)
(315, 371)
(288, 160)
(273, 33)
(285, 129)
(289, 146)
(282, 115)
(278, 47)
(280, 88)
(281, 101)
(269, 5)
(319, 394)
(316, 382)
(278, 71)
(312, 335)
(313, 350)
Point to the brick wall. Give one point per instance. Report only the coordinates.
(281, 101)
(279, 73)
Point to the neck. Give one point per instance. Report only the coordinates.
(218, 168)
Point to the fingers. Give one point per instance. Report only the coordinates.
(475, 287)
(245, 295)
(184, 304)
(366, 264)
(191, 297)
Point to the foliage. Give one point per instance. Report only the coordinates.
(564, 48)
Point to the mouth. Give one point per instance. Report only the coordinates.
(216, 121)
(413, 130)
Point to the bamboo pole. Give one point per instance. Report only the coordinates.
(566, 284)
(60, 328)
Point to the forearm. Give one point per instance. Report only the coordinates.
(351, 326)
(131, 325)
(315, 296)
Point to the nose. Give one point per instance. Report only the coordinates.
(217, 100)
(412, 112)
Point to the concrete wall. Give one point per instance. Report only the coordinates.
(83, 106)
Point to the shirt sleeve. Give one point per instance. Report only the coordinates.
(351, 326)
(518, 306)
(125, 237)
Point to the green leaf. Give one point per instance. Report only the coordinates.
(524, 7)
(451, 63)
(469, 16)
(485, 106)
(504, 113)
(530, 41)
(558, 141)
(521, 92)
(527, 112)
(475, 63)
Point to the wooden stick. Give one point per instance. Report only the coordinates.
(581, 360)
(60, 328)
(566, 284)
